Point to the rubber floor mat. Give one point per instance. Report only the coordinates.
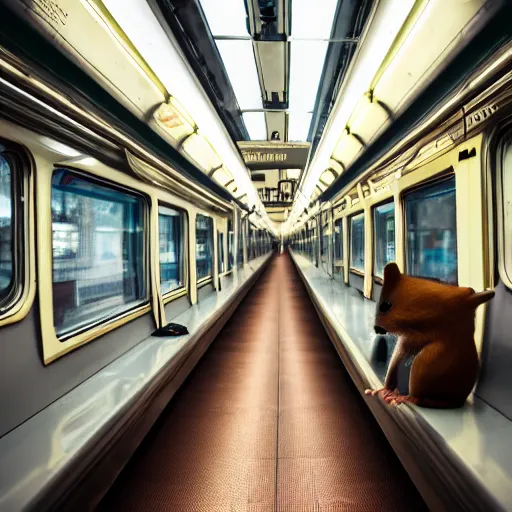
(269, 420)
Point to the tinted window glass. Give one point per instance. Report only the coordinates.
(98, 251)
(338, 247)
(221, 252)
(507, 211)
(170, 235)
(357, 242)
(240, 252)
(324, 244)
(204, 246)
(384, 236)
(6, 230)
(431, 232)
(231, 244)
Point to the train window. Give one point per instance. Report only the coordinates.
(384, 237)
(7, 235)
(338, 247)
(221, 252)
(231, 245)
(204, 246)
(357, 242)
(431, 229)
(171, 229)
(324, 244)
(240, 252)
(251, 244)
(506, 216)
(98, 251)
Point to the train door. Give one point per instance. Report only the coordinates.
(495, 378)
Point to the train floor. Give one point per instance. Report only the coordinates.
(269, 420)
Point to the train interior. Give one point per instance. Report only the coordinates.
(199, 202)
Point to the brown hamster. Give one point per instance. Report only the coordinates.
(436, 323)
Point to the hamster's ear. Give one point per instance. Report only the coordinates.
(391, 273)
(479, 298)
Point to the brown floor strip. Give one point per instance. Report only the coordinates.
(269, 420)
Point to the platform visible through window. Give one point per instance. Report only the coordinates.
(384, 237)
(6, 230)
(431, 228)
(98, 251)
(357, 242)
(171, 229)
(204, 246)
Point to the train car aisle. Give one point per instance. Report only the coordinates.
(269, 420)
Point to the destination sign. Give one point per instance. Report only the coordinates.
(258, 156)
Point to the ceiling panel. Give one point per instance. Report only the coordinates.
(238, 58)
(272, 59)
(226, 18)
(276, 122)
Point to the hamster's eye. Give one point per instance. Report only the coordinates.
(385, 306)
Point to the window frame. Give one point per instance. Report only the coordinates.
(18, 221)
(352, 269)
(377, 279)
(335, 274)
(220, 253)
(182, 290)
(17, 304)
(229, 268)
(137, 309)
(439, 178)
(504, 141)
(203, 281)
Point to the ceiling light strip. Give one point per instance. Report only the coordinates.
(160, 51)
(380, 35)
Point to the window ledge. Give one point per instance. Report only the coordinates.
(460, 456)
(40, 455)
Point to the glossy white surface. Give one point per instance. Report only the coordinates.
(32, 455)
(477, 435)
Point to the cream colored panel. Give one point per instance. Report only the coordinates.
(327, 177)
(346, 149)
(368, 119)
(199, 150)
(78, 28)
(437, 31)
(222, 176)
(172, 120)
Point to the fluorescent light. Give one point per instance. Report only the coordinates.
(59, 147)
(388, 20)
(298, 126)
(222, 176)
(198, 148)
(238, 58)
(255, 124)
(327, 177)
(226, 18)
(88, 160)
(307, 63)
(313, 19)
(347, 149)
(173, 121)
(161, 52)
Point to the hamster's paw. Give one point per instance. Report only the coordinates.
(403, 399)
(386, 394)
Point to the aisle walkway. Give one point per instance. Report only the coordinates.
(268, 421)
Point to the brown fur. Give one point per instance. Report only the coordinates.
(436, 322)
